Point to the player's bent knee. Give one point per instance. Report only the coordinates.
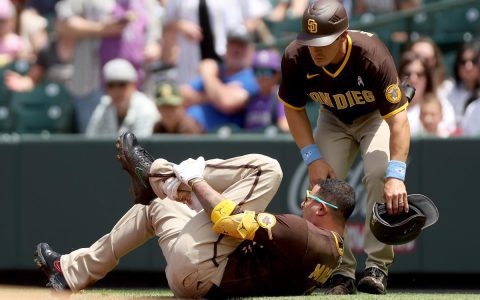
(271, 165)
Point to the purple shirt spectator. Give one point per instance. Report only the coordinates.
(131, 44)
(264, 110)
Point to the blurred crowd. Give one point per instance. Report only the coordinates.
(194, 66)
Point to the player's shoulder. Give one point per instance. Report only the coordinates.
(293, 221)
(369, 47)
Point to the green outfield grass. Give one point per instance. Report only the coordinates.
(396, 295)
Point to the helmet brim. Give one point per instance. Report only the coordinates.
(314, 40)
(426, 206)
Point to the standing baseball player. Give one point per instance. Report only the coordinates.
(352, 76)
(231, 248)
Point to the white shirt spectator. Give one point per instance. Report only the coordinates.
(471, 119)
(458, 96)
(141, 117)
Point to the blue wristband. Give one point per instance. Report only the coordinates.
(310, 153)
(396, 169)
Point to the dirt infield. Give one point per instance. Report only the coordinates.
(35, 293)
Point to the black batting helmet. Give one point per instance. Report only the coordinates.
(323, 22)
(405, 227)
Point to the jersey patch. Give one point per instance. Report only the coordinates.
(393, 93)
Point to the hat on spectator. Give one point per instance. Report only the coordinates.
(119, 70)
(240, 34)
(168, 94)
(7, 10)
(267, 59)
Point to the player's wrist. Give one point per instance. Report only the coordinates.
(310, 153)
(194, 181)
(396, 169)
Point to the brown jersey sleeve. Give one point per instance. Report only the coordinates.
(291, 91)
(380, 64)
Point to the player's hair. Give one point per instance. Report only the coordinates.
(339, 193)
(431, 98)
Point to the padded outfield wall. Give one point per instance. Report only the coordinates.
(69, 191)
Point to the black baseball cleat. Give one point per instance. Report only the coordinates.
(340, 285)
(137, 162)
(49, 262)
(374, 281)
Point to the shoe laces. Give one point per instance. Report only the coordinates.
(144, 156)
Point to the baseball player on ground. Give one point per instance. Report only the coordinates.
(352, 76)
(231, 248)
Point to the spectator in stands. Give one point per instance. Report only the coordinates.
(52, 63)
(408, 4)
(139, 42)
(471, 119)
(429, 50)
(287, 9)
(11, 44)
(374, 6)
(431, 116)
(33, 30)
(88, 22)
(174, 118)
(123, 108)
(201, 28)
(220, 94)
(421, 78)
(466, 72)
(264, 110)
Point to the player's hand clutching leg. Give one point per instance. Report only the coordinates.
(190, 169)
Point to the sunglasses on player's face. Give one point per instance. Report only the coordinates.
(313, 197)
(115, 84)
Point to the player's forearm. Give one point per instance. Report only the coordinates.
(227, 98)
(207, 196)
(299, 127)
(79, 27)
(399, 137)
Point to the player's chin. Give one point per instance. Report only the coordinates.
(321, 62)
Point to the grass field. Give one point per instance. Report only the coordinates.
(15, 292)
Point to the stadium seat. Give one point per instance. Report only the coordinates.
(461, 19)
(47, 108)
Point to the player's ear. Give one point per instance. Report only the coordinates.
(321, 209)
(343, 36)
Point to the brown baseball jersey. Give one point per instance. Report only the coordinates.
(365, 80)
(298, 258)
